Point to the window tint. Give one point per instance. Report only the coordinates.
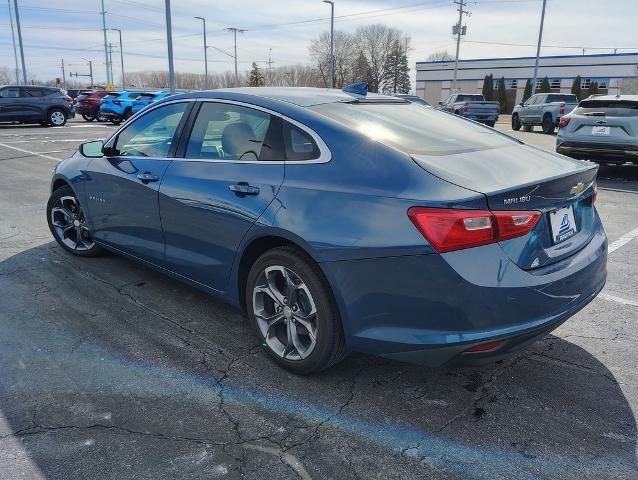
(10, 92)
(559, 97)
(299, 144)
(232, 132)
(34, 92)
(134, 95)
(414, 129)
(609, 108)
(151, 135)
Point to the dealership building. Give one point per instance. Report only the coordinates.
(434, 79)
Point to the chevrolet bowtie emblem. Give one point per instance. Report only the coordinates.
(578, 188)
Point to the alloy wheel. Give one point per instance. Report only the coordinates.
(69, 223)
(286, 313)
(57, 118)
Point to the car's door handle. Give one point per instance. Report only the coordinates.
(242, 188)
(147, 177)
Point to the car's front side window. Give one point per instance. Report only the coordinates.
(152, 134)
(232, 132)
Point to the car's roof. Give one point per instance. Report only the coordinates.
(301, 96)
(633, 98)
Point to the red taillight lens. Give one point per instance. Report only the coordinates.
(465, 107)
(562, 109)
(448, 230)
(563, 122)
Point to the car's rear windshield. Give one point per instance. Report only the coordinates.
(470, 98)
(557, 97)
(414, 129)
(610, 108)
(146, 96)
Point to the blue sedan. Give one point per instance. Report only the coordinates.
(343, 221)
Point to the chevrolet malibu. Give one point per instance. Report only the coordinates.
(343, 221)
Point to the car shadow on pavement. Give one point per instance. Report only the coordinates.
(111, 370)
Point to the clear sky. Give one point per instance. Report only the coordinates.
(70, 29)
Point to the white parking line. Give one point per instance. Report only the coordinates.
(35, 154)
(624, 240)
(614, 298)
(50, 141)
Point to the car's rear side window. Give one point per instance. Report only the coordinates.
(10, 92)
(610, 108)
(299, 144)
(414, 129)
(34, 92)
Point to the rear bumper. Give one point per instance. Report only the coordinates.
(483, 118)
(110, 113)
(597, 151)
(429, 309)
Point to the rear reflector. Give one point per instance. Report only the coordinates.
(485, 347)
(449, 229)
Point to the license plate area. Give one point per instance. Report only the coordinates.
(562, 223)
(596, 130)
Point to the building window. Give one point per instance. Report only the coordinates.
(554, 83)
(511, 83)
(539, 83)
(585, 83)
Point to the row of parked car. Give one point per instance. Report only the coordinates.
(102, 105)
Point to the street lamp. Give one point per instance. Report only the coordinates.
(121, 56)
(332, 25)
(205, 53)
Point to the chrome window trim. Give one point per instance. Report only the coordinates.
(325, 155)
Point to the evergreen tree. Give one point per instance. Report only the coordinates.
(545, 86)
(256, 78)
(576, 89)
(488, 87)
(528, 90)
(502, 95)
(396, 75)
(593, 89)
(361, 69)
(403, 73)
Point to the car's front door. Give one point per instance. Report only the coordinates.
(10, 104)
(122, 187)
(231, 171)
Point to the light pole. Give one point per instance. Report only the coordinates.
(17, 13)
(332, 25)
(235, 30)
(169, 42)
(121, 56)
(15, 50)
(90, 70)
(106, 52)
(205, 53)
(538, 48)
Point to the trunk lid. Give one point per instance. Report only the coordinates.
(525, 178)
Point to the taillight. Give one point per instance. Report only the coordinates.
(465, 107)
(117, 102)
(448, 230)
(563, 122)
(562, 109)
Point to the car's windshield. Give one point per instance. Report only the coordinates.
(414, 129)
(610, 108)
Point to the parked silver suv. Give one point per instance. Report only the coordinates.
(603, 129)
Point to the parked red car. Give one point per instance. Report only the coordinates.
(88, 105)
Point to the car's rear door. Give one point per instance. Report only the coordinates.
(122, 187)
(233, 167)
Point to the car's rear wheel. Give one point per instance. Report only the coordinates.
(291, 306)
(516, 123)
(548, 125)
(57, 117)
(88, 117)
(68, 224)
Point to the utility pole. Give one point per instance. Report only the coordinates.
(121, 57)
(205, 54)
(538, 48)
(24, 69)
(459, 30)
(332, 57)
(111, 61)
(169, 43)
(270, 62)
(106, 54)
(63, 75)
(235, 30)
(15, 50)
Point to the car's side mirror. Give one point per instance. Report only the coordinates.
(440, 104)
(92, 149)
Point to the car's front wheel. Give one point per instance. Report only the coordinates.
(88, 117)
(291, 306)
(68, 224)
(57, 118)
(516, 123)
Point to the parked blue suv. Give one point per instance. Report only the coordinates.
(146, 99)
(118, 106)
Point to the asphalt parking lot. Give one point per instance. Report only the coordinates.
(111, 370)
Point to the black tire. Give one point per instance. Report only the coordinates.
(87, 117)
(548, 125)
(99, 117)
(516, 123)
(115, 121)
(330, 347)
(56, 117)
(127, 113)
(59, 200)
(528, 128)
(490, 124)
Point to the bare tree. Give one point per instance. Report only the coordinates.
(344, 52)
(440, 56)
(376, 42)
